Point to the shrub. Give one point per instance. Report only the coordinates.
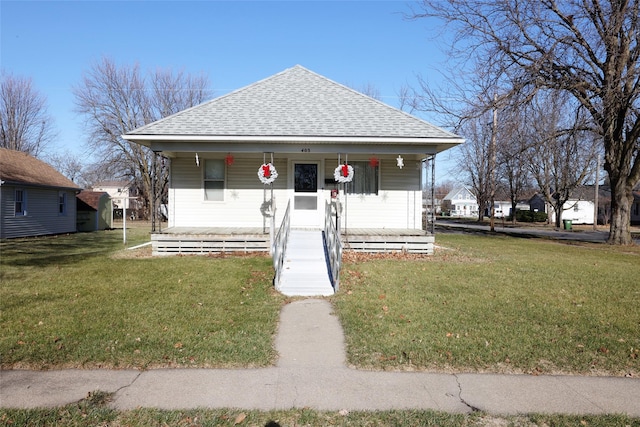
(531, 216)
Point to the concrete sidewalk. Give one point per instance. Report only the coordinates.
(311, 373)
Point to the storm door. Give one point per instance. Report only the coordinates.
(306, 195)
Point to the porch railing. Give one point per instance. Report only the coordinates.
(334, 245)
(279, 245)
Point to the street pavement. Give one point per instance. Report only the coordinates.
(594, 236)
(311, 372)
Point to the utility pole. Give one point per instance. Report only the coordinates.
(595, 197)
(492, 162)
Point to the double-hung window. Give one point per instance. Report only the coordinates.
(365, 178)
(20, 202)
(214, 171)
(62, 203)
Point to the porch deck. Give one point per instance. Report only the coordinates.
(206, 240)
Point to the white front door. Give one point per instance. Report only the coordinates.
(307, 203)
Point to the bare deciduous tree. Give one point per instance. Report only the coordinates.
(587, 48)
(25, 124)
(562, 149)
(475, 159)
(512, 165)
(70, 166)
(116, 100)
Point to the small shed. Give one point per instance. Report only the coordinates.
(95, 211)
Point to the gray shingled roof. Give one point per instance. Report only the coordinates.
(19, 168)
(294, 103)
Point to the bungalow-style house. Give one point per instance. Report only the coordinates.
(35, 199)
(299, 147)
(460, 202)
(95, 211)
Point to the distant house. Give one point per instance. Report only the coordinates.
(502, 208)
(579, 209)
(35, 199)
(94, 211)
(460, 202)
(118, 191)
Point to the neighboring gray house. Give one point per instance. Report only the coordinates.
(302, 127)
(35, 199)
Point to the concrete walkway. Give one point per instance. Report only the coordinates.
(311, 373)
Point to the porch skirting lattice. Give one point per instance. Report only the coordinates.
(211, 240)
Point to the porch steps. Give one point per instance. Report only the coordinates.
(305, 270)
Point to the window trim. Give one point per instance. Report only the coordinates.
(205, 180)
(366, 164)
(62, 203)
(23, 202)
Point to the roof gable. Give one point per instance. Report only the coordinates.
(460, 191)
(294, 103)
(17, 167)
(91, 198)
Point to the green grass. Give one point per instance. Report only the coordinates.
(94, 411)
(82, 301)
(496, 304)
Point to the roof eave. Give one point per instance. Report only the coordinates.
(169, 145)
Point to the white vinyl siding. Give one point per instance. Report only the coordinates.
(398, 203)
(244, 195)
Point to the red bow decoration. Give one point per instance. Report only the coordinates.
(374, 162)
(266, 171)
(345, 170)
(228, 160)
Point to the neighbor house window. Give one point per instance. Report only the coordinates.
(365, 179)
(20, 202)
(62, 203)
(214, 179)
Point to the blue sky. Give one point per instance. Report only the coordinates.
(235, 43)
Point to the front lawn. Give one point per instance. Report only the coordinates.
(83, 301)
(495, 304)
(480, 304)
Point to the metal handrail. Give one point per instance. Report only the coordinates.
(279, 245)
(334, 245)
